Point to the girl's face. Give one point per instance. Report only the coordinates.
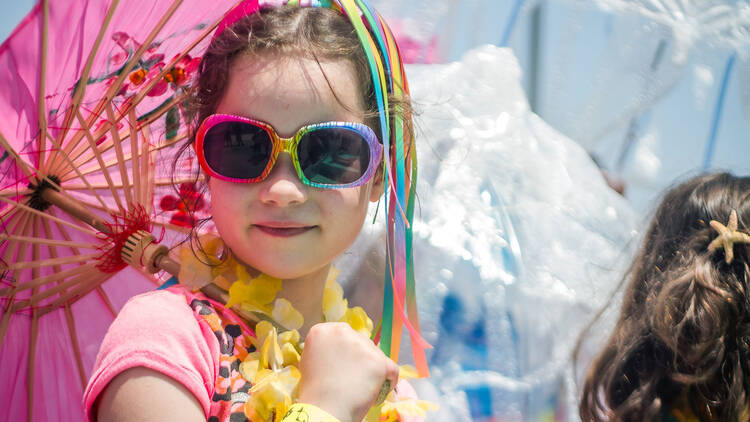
(280, 226)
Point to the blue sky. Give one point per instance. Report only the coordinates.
(13, 12)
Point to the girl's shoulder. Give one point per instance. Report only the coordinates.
(158, 330)
(159, 316)
(164, 315)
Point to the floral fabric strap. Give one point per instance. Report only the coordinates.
(307, 413)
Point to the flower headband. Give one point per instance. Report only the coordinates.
(399, 163)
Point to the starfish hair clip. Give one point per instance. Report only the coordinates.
(728, 236)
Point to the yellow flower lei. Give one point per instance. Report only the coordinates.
(272, 367)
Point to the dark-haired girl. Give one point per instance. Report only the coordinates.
(680, 350)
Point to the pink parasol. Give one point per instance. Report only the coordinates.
(91, 121)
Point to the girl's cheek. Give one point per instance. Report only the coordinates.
(354, 199)
(224, 197)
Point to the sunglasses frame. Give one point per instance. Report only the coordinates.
(290, 145)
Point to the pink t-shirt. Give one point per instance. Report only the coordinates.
(187, 337)
(157, 330)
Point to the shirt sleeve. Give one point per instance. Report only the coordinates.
(157, 330)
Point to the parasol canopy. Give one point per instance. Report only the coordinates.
(92, 121)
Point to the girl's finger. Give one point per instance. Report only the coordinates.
(391, 379)
(391, 372)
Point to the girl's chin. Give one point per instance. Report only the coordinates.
(285, 268)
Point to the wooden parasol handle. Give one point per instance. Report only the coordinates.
(164, 262)
(74, 209)
(141, 248)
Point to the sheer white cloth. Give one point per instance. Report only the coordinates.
(518, 242)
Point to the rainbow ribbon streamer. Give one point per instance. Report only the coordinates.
(399, 296)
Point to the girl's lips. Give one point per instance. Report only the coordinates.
(282, 230)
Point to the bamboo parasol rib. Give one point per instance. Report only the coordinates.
(135, 154)
(34, 323)
(147, 169)
(70, 321)
(42, 110)
(120, 158)
(58, 276)
(156, 182)
(47, 241)
(15, 192)
(37, 263)
(15, 157)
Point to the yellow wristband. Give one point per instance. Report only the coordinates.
(303, 412)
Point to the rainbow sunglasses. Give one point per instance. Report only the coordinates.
(399, 166)
(330, 155)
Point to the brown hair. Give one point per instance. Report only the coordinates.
(684, 328)
(311, 32)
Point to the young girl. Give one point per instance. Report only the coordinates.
(301, 121)
(681, 348)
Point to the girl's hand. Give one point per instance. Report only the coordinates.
(343, 371)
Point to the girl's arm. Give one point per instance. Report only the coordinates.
(142, 394)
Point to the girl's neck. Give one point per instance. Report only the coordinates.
(306, 295)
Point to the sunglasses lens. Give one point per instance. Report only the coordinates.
(333, 156)
(237, 150)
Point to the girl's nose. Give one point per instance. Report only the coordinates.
(283, 187)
